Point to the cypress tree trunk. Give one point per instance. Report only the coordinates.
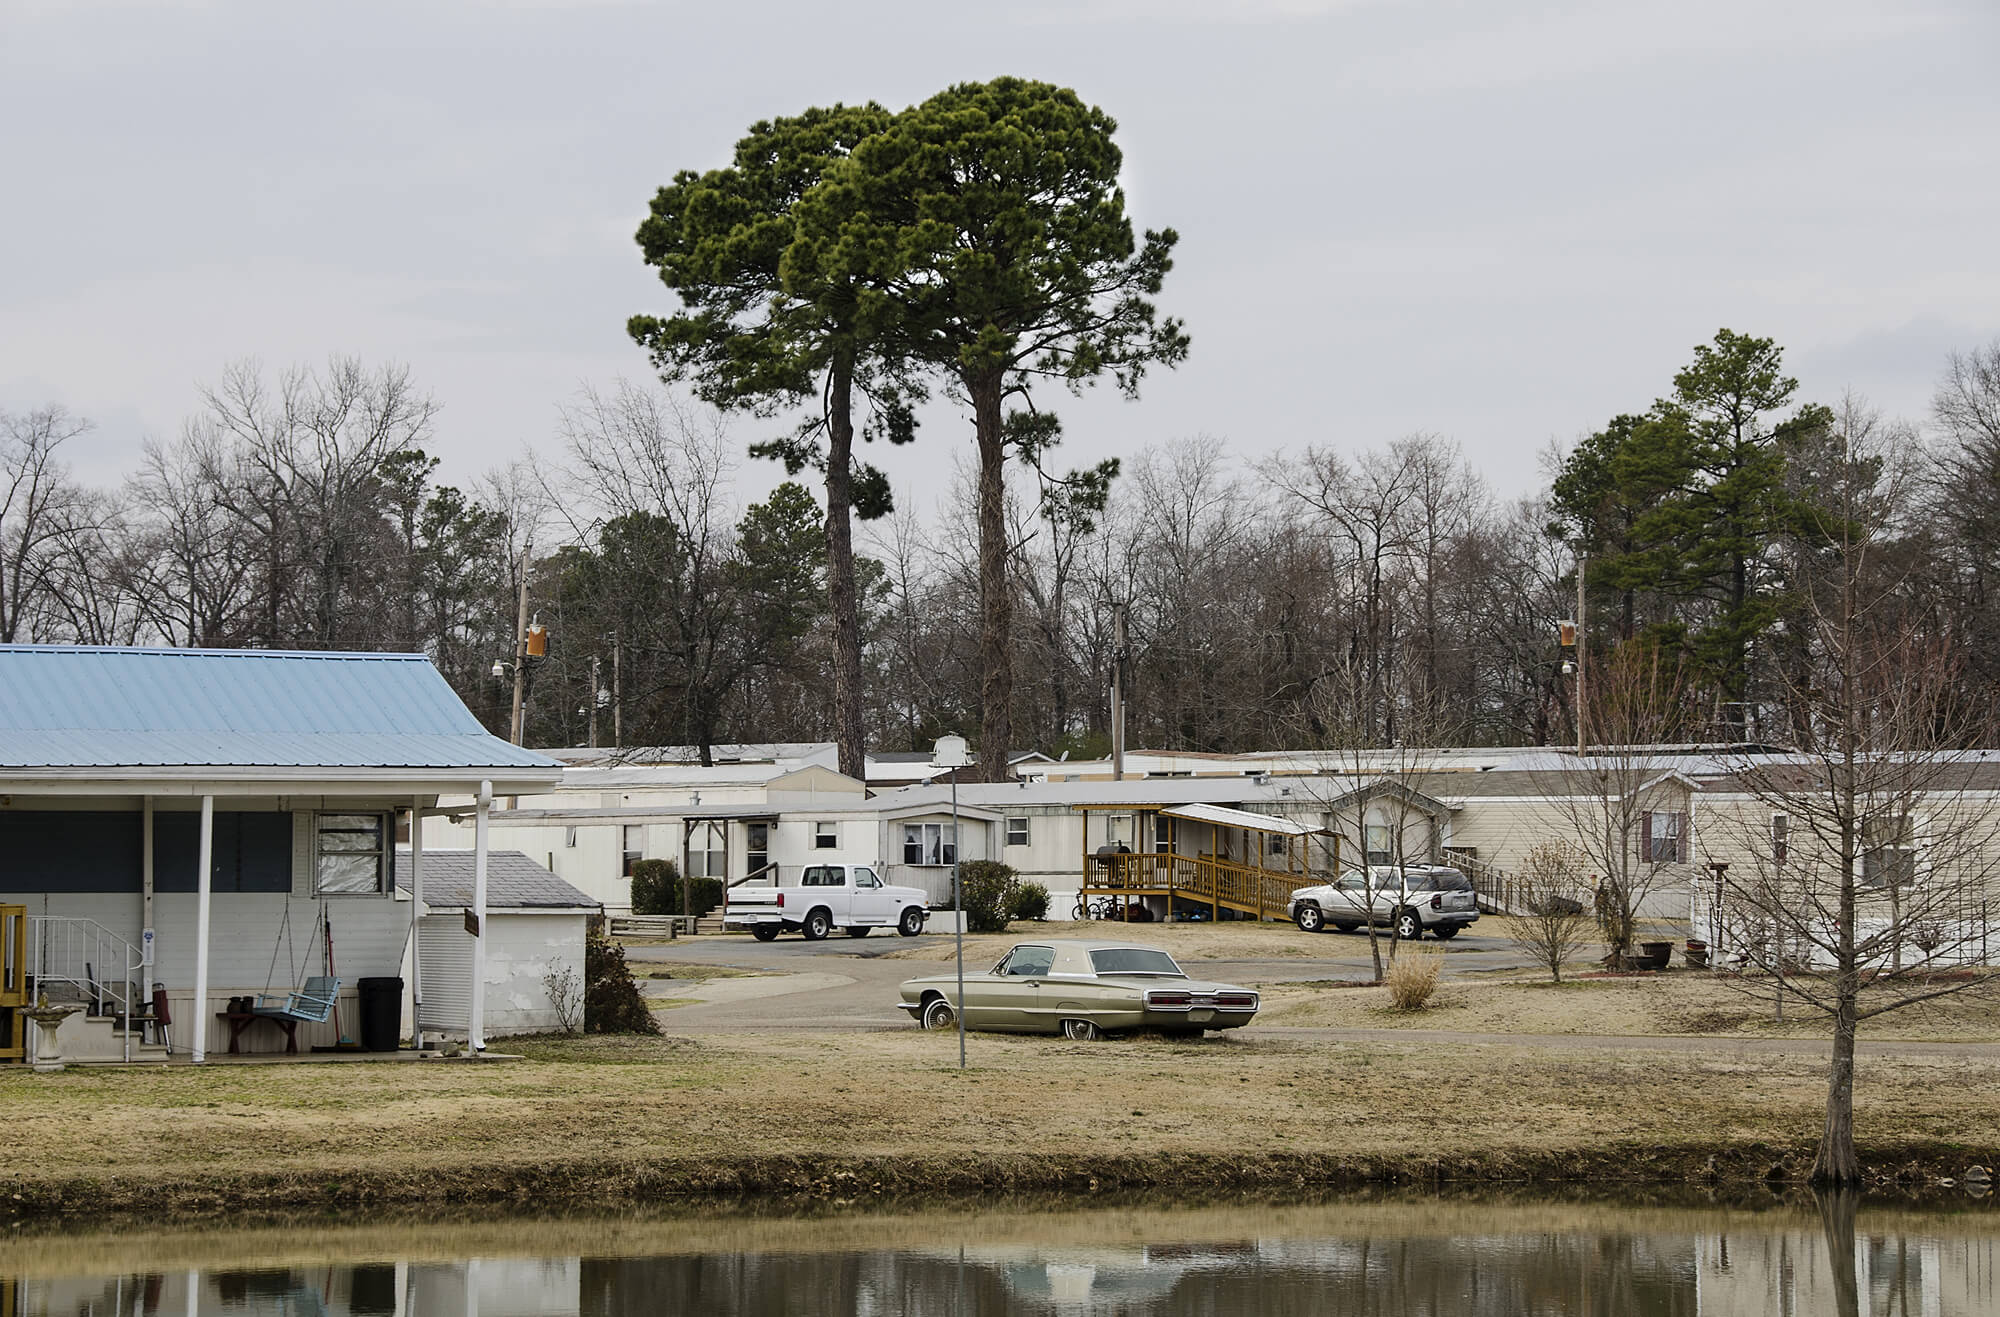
(996, 679)
(849, 728)
(1835, 1164)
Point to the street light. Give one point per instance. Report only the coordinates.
(952, 753)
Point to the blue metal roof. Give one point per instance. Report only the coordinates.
(64, 706)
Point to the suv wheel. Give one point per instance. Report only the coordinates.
(1409, 925)
(1309, 919)
(1445, 932)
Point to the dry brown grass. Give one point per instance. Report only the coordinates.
(596, 1102)
(1670, 1005)
(1412, 977)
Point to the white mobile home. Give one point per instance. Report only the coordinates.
(196, 821)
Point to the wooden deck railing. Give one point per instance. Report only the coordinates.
(1202, 879)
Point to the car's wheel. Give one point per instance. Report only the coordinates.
(912, 922)
(1445, 932)
(938, 1014)
(860, 930)
(764, 932)
(1310, 919)
(1409, 925)
(818, 924)
(1345, 927)
(1081, 1031)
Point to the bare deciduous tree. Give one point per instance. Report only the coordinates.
(1875, 888)
(1554, 921)
(39, 506)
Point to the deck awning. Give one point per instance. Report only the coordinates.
(1223, 816)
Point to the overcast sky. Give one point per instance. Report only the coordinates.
(1498, 220)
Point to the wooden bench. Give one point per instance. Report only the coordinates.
(241, 1020)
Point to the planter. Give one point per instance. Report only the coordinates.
(1657, 955)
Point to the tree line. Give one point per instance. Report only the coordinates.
(1387, 590)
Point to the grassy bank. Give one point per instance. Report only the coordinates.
(855, 1115)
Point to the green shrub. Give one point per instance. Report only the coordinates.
(1031, 901)
(988, 889)
(611, 1000)
(704, 894)
(656, 888)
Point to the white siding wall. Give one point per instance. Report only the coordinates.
(522, 949)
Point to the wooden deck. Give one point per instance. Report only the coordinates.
(1218, 884)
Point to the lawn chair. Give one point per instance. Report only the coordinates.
(311, 1004)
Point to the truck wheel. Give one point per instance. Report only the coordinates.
(764, 932)
(859, 930)
(939, 1015)
(1309, 919)
(912, 922)
(1409, 925)
(818, 924)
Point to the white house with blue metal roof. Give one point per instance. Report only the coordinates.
(200, 820)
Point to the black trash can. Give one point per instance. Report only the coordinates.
(381, 1013)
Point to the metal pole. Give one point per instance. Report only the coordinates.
(958, 903)
(520, 651)
(475, 1039)
(617, 690)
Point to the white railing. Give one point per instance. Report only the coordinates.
(84, 960)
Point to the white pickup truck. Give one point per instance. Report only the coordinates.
(826, 897)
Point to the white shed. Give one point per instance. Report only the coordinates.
(535, 925)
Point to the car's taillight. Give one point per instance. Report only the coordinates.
(1437, 902)
(1169, 1000)
(1236, 1000)
(781, 900)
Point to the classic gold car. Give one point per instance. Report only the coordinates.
(1081, 990)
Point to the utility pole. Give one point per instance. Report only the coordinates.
(594, 664)
(617, 692)
(520, 649)
(1118, 692)
(1582, 565)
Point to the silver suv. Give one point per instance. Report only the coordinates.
(1413, 900)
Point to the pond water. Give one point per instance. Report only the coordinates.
(1391, 1259)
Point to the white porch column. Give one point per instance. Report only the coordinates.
(416, 914)
(148, 953)
(198, 1027)
(476, 1031)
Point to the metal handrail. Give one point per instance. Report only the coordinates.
(79, 952)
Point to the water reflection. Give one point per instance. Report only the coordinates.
(1396, 1262)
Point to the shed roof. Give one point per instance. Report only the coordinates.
(513, 882)
(70, 707)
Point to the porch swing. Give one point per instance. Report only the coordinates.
(311, 1003)
(314, 999)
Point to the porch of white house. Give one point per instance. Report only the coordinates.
(190, 901)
